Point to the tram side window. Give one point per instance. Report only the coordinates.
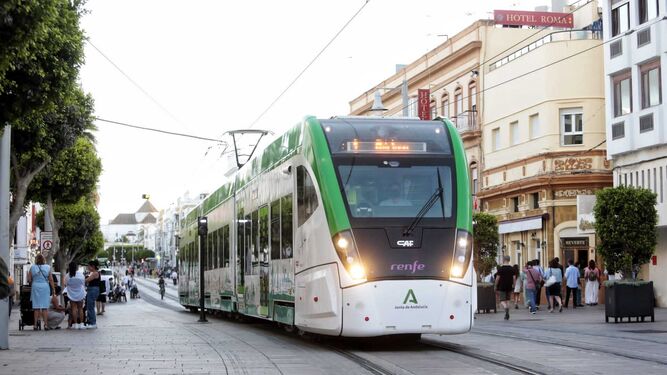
(210, 250)
(240, 240)
(264, 234)
(216, 253)
(248, 245)
(275, 229)
(306, 195)
(227, 248)
(286, 227)
(221, 248)
(255, 238)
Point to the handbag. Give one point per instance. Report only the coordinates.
(551, 280)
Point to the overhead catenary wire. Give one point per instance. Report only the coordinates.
(543, 66)
(159, 130)
(298, 76)
(135, 84)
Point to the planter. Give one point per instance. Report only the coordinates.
(629, 299)
(486, 297)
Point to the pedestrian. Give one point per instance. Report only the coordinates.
(93, 281)
(533, 279)
(76, 293)
(174, 276)
(571, 283)
(554, 281)
(102, 298)
(41, 284)
(10, 283)
(592, 276)
(126, 279)
(579, 286)
(56, 312)
(505, 279)
(518, 286)
(538, 288)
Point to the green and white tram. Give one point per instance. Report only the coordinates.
(347, 226)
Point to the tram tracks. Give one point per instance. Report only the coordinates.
(573, 345)
(485, 357)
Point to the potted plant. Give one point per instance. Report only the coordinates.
(485, 250)
(625, 220)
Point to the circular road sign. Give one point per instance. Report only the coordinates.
(47, 245)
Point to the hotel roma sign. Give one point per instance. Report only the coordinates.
(524, 18)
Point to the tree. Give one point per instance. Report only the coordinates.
(485, 235)
(40, 56)
(80, 236)
(625, 220)
(68, 178)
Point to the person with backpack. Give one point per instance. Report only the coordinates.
(592, 276)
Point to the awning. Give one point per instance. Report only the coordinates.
(520, 225)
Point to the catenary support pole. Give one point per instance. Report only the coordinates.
(203, 231)
(5, 144)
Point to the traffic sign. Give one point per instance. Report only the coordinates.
(46, 240)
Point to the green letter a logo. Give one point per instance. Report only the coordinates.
(410, 297)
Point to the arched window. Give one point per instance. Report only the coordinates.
(458, 101)
(472, 95)
(474, 184)
(445, 105)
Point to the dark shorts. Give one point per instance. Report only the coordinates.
(505, 295)
(554, 290)
(102, 298)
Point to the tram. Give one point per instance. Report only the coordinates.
(349, 226)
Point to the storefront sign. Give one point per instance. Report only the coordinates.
(585, 217)
(424, 104)
(524, 18)
(573, 164)
(571, 193)
(575, 242)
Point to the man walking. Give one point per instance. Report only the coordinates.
(538, 288)
(505, 279)
(572, 283)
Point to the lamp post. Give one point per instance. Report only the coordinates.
(202, 231)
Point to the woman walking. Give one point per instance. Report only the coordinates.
(76, 293)
(554, 278)
(517, 286)
(592, 276)
(41, 283)
(93, 281)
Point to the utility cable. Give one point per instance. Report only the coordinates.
(159, 130)
(149, 96)
(308, 65)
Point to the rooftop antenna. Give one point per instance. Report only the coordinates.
(240, 133)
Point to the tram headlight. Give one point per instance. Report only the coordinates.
(462, 253)
(348, 254)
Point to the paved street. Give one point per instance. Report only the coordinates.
(149, 336)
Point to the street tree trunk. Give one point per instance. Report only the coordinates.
(21, 183)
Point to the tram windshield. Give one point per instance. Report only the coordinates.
(395, 189)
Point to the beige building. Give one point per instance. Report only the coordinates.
(530, 107)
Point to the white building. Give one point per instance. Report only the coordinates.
(635, 55)
(132, 224)
(168, 228)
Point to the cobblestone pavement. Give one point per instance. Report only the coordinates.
(153, 336)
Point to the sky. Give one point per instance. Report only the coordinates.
(207, 67)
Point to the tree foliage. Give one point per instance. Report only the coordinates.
(625, 220)
(80, 235)
(485, 235)
(140, 252)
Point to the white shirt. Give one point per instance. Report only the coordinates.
(75, 287)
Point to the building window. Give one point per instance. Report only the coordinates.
(572, 127)
(651, 86)
(620, 19)
(474, 178)
(515, 204)
(646, 123)
(648, 179)
(535, 200)
(534, 124)
(661, 184)
(445, 105)
(514, 133)
(458, 101)
(618, 130)
(434, 110)
(495, 139)
(412, 106)
(472, 95)
(647, 10)
(622, 94)
(643, 186)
